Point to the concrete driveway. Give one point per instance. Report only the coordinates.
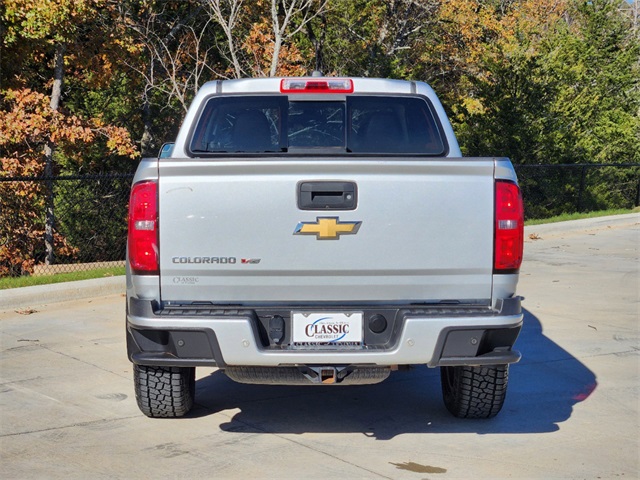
(67, 408)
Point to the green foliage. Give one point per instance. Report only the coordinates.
(377, 38)
(571, 96)
(592, 65)
(92, 217)
(52, 21)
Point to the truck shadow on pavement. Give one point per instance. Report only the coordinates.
(543, 389)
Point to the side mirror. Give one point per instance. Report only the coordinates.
(165, 150)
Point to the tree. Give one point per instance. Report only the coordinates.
(375, 38)
(593, 64)
(36, 135)
(560, 89)
(170, 50)
(27, 125)
(51, 22)
(260, 35)
(228, 14)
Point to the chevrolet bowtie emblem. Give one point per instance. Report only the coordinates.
(327, 228)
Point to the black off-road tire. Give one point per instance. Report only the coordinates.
(474, 392)
(166, 392)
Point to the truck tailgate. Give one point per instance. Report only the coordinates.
(227, 231)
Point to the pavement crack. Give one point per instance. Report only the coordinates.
(615, 354)
(19, 381)
(303, 445)
(64, 427)
(83, 361)
(578, 358)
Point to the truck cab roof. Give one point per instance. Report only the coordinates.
(316, 89)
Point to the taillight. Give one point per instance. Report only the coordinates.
(509, 228)
(316, 85)
(143, 228)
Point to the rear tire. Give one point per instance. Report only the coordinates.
(165, 392)
(474, 392)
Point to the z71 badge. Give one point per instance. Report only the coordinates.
(327, 228)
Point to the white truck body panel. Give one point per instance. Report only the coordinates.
(375, 244)
(426, 232)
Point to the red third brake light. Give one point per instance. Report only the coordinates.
(143, 228)
(315, 85)
(509, 228)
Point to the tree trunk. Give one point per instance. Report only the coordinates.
(277, 40)
(234, 57)
(56, 94)
(147, 143)
(276, 54)
(58, 74)
(318, 43)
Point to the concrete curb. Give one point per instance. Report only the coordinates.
(585, 224)
(60, 292)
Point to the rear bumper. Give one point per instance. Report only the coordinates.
(435, 337)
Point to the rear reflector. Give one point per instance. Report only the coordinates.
(509, 228)
(315, 85)
(143, 228)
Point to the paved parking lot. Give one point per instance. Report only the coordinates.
(67, 408)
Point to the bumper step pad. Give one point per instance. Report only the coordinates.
(308, 375)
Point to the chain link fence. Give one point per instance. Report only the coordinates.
(550, 190)
(63, 224)
(75, 223)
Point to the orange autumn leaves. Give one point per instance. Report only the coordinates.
(28, 124)
(476, 32)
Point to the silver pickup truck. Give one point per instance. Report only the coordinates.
(322, 231)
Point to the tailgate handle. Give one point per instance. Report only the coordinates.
(327, 196)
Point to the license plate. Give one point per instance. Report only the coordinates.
(333, 328)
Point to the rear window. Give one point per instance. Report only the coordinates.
(357, 125)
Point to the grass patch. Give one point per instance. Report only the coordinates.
(17, 282)
(579, 216)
